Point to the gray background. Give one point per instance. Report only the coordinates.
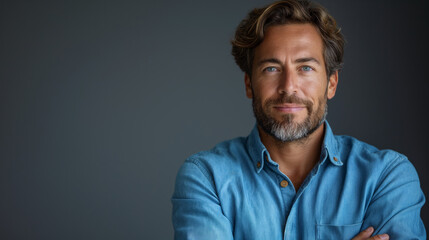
(102, 101)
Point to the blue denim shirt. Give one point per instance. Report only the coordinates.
(236, 191)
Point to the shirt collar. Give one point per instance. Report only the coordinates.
(260, 155)
(256, 149)
(330, 145)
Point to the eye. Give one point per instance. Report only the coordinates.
(306, 68)
(270, 69)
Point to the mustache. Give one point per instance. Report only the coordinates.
(289, 99)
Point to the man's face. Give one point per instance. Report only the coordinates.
(289, 86)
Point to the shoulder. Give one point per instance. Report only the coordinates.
(224, 153)
(225, 157)
(360, 155)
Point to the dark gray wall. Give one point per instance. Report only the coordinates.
(101, 102)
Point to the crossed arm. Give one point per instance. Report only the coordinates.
(398, 194)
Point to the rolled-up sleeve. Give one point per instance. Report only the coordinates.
(197, 213)
(396, 203)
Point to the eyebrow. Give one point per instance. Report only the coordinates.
(269, 60)
(309, 59)
(299, 60)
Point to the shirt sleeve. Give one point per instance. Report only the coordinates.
(396, 203)
(197, 213)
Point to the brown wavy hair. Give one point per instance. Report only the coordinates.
(250, 32)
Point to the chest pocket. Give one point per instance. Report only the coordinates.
(328, 231)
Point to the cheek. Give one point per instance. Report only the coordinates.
(315, 91)
(264, 91)
(321, 103)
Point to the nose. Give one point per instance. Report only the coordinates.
(287, 83)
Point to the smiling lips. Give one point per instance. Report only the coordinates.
(289, 108)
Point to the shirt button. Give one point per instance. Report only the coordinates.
(258, 164)
(335, 159)
(284, 183)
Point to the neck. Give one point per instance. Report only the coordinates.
(296, 158)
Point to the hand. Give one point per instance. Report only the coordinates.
(366, 235)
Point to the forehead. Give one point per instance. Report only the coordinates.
(291, 41)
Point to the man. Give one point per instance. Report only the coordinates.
(291, 178)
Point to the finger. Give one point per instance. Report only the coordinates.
(365, 234)
(380, 237)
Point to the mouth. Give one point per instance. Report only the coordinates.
(289, 108)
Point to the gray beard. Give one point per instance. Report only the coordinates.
(287, 130)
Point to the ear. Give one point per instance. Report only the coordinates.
(332, 85)
(248, 84)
